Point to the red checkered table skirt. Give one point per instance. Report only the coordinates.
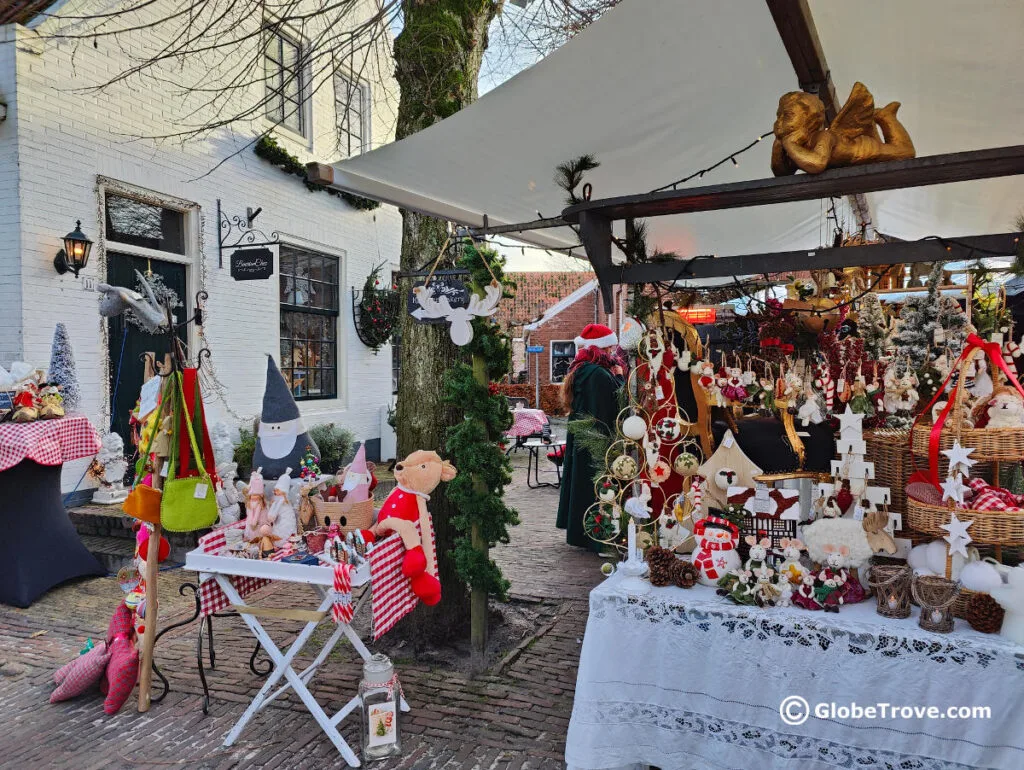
(48, 442)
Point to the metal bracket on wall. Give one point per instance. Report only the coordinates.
(237, 231)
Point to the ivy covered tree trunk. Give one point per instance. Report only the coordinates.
(437, 63)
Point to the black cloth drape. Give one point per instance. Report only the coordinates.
(39, 548)
(593, 390)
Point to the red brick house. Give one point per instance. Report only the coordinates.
(540, 317)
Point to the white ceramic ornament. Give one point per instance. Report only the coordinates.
(634, 427)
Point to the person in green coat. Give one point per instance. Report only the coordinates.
(589, 388)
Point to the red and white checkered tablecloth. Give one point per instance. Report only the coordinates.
(48, 442)
(212, 598)
(527, 422)
(393, 599)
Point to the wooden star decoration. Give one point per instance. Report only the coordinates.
(953, 489)
(852, 421)
(958, 538)
(959, 457)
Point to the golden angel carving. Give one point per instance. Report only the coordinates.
(803, 142)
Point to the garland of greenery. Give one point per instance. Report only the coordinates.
(484, 470)
(378, 313)
(269, 150)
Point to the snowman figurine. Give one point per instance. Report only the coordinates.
(716, 549)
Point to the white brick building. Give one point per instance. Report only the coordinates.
(67, 154)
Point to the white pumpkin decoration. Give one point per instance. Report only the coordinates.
(634, 427)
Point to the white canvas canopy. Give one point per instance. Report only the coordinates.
(657, 89)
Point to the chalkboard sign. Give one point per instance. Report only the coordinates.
(449, 286)
(252, 264)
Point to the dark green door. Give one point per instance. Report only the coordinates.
(128, 342)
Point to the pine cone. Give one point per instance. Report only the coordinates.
(686, 574)
(662, 564)
(984, 614)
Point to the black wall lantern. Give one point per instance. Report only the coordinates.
(75, 254)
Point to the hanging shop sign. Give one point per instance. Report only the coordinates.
(252, 264)
(451, 287)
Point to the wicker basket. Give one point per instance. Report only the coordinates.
(988, 443)
(889, 450)
(990, 527)
(351, 516)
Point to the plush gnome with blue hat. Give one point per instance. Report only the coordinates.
(282, 439)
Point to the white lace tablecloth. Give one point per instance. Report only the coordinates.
(684, 679)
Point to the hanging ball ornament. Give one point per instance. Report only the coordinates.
(660, 472)
(669, 428)
(634, 427)
(630, 333)
(686, 463)
(607, 568)
(607, 490)
(624, 467)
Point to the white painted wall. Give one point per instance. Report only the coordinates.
(69, 140)
(10, 262)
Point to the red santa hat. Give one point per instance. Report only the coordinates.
(596, 336)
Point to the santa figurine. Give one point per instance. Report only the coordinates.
(716, 549)
(358, 480)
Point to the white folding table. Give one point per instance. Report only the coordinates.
(321, 578)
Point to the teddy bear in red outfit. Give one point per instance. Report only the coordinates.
(417, 475)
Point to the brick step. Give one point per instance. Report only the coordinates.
(108, 521)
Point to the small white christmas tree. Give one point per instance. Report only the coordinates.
(62, 368)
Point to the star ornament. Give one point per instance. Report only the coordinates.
(958, 538)
(953, 489)
(850, 420)
(959, 458)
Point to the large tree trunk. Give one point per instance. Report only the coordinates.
(437, 64)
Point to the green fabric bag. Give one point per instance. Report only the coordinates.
(188, 503)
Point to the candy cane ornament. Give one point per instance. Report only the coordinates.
(824, 383)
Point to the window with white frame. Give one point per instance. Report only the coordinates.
(285, 80)
(562, 354)
(309, 322)
(352, 106)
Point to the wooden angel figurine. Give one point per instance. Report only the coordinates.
(802, 141)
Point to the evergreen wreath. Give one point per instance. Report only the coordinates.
(473, 444)
(164, 294)
(378, 312)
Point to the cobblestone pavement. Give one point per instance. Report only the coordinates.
(514, 715)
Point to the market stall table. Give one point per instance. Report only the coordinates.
(535, 447)
(40, 548)
(526, 423)
(684, 679)
(236, 576)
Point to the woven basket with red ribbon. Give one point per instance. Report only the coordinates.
(926, 512)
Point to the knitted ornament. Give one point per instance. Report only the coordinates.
(662, 564)
(984, 614)
(686, 574)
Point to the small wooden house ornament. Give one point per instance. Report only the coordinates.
(728, 467)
